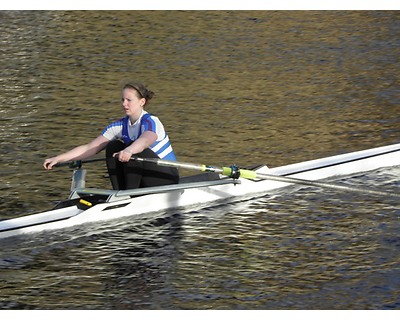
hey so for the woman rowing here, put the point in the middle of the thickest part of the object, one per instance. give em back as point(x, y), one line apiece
point(138, 133)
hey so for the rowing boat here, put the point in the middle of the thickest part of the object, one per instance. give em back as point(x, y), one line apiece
point(86, 205)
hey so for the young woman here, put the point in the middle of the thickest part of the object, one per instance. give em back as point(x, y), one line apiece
point(138, 133)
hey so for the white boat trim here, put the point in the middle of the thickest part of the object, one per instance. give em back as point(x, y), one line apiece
point(117, 204)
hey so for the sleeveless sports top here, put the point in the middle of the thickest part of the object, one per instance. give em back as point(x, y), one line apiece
point(124, 130)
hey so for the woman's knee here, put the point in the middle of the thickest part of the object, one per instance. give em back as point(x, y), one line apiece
point(113, 147)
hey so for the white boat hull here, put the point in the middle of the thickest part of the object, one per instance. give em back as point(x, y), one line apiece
point(121, 206)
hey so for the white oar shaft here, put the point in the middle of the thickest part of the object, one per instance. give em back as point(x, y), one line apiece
point(181, 165)
point(324, 185)
point(250, 174)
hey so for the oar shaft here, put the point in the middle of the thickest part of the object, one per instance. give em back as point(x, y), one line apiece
point(181, 165)
point(77, 163)
point(250, 174)
point(324, 185)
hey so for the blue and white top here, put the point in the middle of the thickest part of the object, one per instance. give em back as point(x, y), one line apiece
point(128, 132)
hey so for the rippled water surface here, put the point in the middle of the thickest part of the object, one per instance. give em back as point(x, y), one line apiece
point(231, 87)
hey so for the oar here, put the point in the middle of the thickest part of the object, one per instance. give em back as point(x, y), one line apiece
point(77, 163)
point(234, 172)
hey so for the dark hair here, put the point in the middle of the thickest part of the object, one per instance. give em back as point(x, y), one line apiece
point(140, 88)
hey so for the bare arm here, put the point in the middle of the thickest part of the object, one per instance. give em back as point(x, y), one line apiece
point(78, 153)
point(146, 139)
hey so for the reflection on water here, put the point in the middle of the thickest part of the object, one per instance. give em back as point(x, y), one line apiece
point(299, 249)
point(243, 87)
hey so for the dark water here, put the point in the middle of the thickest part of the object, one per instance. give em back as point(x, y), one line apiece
point(231, 87)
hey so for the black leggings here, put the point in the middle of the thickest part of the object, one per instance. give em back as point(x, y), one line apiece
point(135, 174)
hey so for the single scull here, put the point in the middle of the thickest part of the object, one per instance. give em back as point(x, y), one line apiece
point(88, 204)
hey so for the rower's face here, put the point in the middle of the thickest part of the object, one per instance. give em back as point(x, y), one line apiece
point(132, 105)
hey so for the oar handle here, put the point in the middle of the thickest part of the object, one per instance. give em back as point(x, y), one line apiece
point(70, 164)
